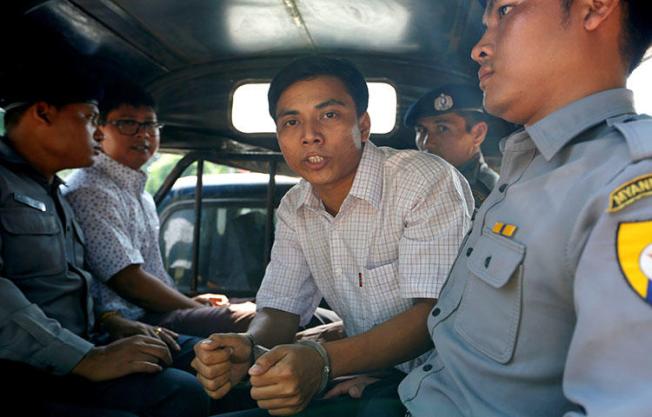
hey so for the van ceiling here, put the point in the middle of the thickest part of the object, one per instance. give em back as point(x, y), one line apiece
point(191, 54)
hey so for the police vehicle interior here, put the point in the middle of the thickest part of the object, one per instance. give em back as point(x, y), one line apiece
point(193, 55)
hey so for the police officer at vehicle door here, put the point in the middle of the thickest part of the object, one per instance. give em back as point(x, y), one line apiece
point(547, 310)
point(450, 122)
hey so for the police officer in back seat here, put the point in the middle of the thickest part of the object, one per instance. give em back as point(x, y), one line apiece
point(450, 122)
point(51, 359)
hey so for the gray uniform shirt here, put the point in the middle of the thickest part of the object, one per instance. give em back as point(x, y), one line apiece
point(540, 315)
point(481, 178)
point(45, 308)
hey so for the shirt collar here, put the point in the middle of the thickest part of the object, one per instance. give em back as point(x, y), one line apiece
point(9, 154)
point(367, 184)
point(127, 178)
point(471, 168)
point(554, 131)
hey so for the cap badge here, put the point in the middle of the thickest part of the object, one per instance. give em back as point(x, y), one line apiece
point(443, 102)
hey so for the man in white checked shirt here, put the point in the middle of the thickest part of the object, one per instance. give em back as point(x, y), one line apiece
point(371, 230)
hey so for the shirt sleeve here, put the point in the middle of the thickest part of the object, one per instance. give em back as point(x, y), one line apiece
point(27, 335)
point(288, 284)
point(434, 229)
point(110, 248)
point(608, 368)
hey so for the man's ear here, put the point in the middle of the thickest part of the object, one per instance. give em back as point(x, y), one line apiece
point(479, 132)
point(42, 112)
point(595, 12)
point(364, 123)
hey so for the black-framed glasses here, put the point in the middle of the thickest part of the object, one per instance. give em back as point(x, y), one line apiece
point(131, 127)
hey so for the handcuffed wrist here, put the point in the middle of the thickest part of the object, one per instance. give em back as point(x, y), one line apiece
point(326, 370)
point(252, 342)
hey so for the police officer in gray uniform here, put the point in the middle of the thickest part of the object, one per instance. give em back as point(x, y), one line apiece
point(450, 122)
point(548, 309)
point(51, 356)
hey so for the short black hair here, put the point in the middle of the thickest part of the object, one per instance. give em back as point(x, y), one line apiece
point(472, 118)
point(317, 65)
point(122, 92)
point(636, 29)
point(58, 85)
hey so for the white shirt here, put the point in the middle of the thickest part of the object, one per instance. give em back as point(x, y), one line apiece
point(120, 225)
point(394, 239)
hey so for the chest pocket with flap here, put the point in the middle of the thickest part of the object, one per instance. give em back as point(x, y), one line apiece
point(489, 313)
point(31, 244)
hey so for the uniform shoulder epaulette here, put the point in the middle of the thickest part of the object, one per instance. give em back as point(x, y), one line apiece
point(638, 134)
point(637, 131)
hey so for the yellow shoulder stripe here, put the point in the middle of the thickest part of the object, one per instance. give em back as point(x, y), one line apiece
point(630, 192)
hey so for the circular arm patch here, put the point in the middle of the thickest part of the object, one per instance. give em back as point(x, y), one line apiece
point(634, 251)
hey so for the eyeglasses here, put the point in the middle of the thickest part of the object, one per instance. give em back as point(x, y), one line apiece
point(131, 127)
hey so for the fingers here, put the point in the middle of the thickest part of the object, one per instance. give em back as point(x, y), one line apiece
point(354, 387)
point(212, 370)
point(236, 345)
point(337, 390)
point(154, 347)
point(203, 301)
point(217, 299)
point(214, 384)
point(267, 361)
point(220, 392)
point(274, 391)
point(144, 367)
point(279, 399)
point(212, 357)
point(209, 299)
point(168, 336)
point(220, 340)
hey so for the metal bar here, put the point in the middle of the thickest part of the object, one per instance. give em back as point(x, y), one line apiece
point(174, 175)
point(215, 157)
point(269, 224)
point(196, 230)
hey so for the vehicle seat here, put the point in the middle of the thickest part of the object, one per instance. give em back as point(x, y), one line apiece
point(240, 255)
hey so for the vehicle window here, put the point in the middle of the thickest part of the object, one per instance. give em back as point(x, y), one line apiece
point(162, 164)
point(232, 249)
point(249, 112)
point(2, 122)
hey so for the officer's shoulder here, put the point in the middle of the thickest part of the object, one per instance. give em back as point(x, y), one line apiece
point(632, 184)
point(637, 131)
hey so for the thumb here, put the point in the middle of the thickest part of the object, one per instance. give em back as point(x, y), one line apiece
point(210, 343)
point(267, 361)
point(217, 341)
point(356, 390)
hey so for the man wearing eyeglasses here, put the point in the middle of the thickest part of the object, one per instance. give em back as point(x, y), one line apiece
point(133, 292)
point(52, 358)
